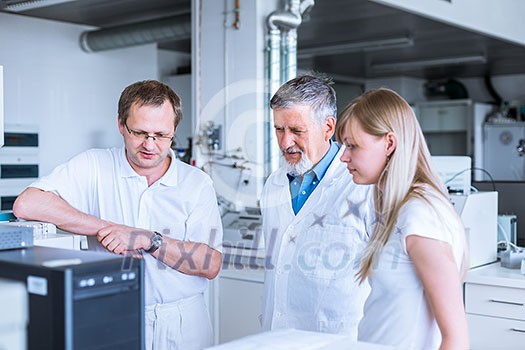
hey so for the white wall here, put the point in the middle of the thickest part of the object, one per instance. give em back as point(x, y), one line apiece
point(71, 95)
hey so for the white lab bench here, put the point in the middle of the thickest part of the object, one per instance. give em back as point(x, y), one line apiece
point(292, 339)
point(495, 306)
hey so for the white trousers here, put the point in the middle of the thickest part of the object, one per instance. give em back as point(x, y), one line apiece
point(181, 325)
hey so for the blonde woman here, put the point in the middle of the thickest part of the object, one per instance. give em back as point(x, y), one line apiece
point(415, 257)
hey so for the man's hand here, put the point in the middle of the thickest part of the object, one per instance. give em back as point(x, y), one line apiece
point(191, 258)
point(121, 239)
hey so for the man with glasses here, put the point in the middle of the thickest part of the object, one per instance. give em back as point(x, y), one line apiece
point(139, 199)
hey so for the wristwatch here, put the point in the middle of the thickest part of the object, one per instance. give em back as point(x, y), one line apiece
point(156, 242)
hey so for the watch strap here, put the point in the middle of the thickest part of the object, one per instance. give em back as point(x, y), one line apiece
point(156, 242)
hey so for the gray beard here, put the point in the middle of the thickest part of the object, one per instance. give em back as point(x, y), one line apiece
point(299, 168)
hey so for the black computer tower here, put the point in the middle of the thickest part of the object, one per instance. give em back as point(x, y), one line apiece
point(79, 300)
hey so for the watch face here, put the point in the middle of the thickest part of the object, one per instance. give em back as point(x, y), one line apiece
point(156, 243)
point(157, 240)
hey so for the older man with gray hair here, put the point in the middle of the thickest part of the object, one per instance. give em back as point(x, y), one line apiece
point(315, 218)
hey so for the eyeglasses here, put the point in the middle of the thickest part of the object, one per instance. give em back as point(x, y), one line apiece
point(141, 135)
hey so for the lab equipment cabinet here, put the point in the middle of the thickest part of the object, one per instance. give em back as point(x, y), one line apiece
point(19, 161)
point(495, 306)
point(503, 150)
point(450, 126)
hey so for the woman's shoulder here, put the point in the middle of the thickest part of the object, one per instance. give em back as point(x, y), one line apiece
point(426, 199)
point(427, 215)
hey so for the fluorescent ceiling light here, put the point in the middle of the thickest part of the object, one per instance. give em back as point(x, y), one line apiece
point(356, 46)
point(445, 61)
point(32, 4)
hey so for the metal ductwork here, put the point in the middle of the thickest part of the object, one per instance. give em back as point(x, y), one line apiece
point(282, 61)
point(161, 30)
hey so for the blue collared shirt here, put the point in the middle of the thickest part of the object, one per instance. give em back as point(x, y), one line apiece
point(302, 186)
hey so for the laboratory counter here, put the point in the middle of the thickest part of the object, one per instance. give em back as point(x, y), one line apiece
point(494, 274)
point(495, 306)
point(292, 339)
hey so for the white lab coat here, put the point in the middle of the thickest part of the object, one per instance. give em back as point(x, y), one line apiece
point(310, 258)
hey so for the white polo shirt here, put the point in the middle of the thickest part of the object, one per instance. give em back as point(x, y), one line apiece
point(181, 205)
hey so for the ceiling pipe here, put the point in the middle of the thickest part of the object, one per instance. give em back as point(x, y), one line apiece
point(160, 30)
point(289, 43)
point(282, 62)
point(297, 10)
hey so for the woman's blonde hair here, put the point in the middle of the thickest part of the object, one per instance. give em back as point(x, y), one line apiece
point(408, 173)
